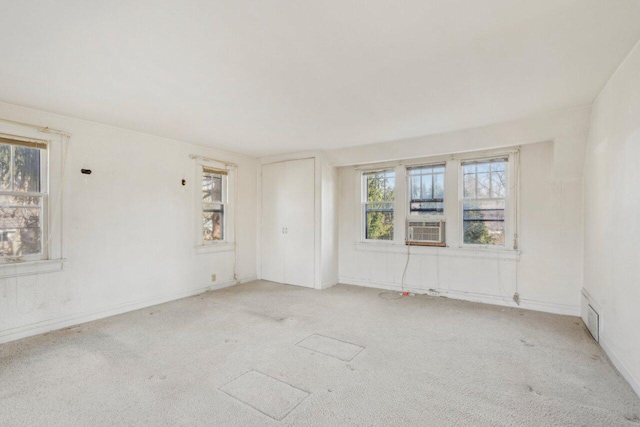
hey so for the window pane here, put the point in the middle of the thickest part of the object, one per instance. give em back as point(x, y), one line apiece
point(499, 166)
point(20, 232)
point(486, 180)
point(483, 167)
point(380, 186)
point(427, 208)
point(498, 184)
point(5, 167)
point(483, 185)
point(26, 169)
point(484, 222)
point(427, 191)
point(213, 224)
point(379, 224)
point(415, 187)
point(211, 188)
point(438, 189)
point(469, 185)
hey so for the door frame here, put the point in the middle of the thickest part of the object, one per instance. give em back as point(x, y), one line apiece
point(316, 156)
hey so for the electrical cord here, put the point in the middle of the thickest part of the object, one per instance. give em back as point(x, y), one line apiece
point(406, 266)
point(395, 295)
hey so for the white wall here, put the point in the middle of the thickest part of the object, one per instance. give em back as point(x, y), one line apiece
point(612, 217)
point(549, 272)
point(128, 229)
point(329, 224)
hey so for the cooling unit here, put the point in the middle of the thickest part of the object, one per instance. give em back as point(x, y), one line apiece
point(425, 231)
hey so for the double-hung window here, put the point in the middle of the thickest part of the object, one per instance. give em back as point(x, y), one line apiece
point(426, 190)
point(23, 199)
point(378, 198)
point(484, 202)
point(214, 201)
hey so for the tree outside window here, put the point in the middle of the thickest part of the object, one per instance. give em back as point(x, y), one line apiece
point(379, 204)
point(484, 203)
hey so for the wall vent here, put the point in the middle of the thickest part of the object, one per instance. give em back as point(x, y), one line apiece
point(593, 323)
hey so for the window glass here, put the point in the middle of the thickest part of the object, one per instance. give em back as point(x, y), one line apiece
point(484, 204)
point(5, 167)
point(426, 189)
point(21, 217)
point(26, 169)
point(213, 221)
point(379, 207)
point(213, 204)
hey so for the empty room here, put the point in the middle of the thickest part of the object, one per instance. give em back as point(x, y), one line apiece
point(332, 213)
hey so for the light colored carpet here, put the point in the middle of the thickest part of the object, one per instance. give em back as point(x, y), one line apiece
point(204, 361)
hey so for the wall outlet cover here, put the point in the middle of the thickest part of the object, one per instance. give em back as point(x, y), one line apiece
point(213, 277)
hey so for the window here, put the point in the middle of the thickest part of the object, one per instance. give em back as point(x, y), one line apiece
point(378, 202)
point(426, 190)
point(214, 200)
point(484, 201)
point(23, 199)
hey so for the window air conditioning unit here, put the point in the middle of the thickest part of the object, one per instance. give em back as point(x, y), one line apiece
point(425, 231)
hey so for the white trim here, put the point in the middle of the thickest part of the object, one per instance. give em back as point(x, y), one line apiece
point(317, 158)
point(100, 313)
point(215, 248)
point(53, 164)
point(329, 283)
point(525, 304)
point(619, 365)
point(438, 158)
point(466, 252)
point(229, 196)
point(510, 202)
point(607, 347)
point(362, 205)
point(30, 268)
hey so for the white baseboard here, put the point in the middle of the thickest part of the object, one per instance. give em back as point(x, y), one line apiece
point(608, 348)
point(100, 313)
point(247, 279)
point(329, 283)
point(620, 366)
point(474, 297)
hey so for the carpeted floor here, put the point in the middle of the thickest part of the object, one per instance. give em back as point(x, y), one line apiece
point(268, 354)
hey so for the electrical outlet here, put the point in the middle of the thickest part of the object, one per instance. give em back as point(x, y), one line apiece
point(213, 277)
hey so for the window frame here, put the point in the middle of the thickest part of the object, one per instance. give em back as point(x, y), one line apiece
point(453, 187)
point(43, 194)
point(227, 243)
point(364, 203)
point(222, 204)
point(509, 200)
point(440, 216)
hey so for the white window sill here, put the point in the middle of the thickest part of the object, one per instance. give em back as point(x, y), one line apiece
point(215, 247)
point(501, 253)
point(29, 268)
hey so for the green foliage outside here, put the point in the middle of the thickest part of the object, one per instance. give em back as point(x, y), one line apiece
point(380, 188)
point(477, 232)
